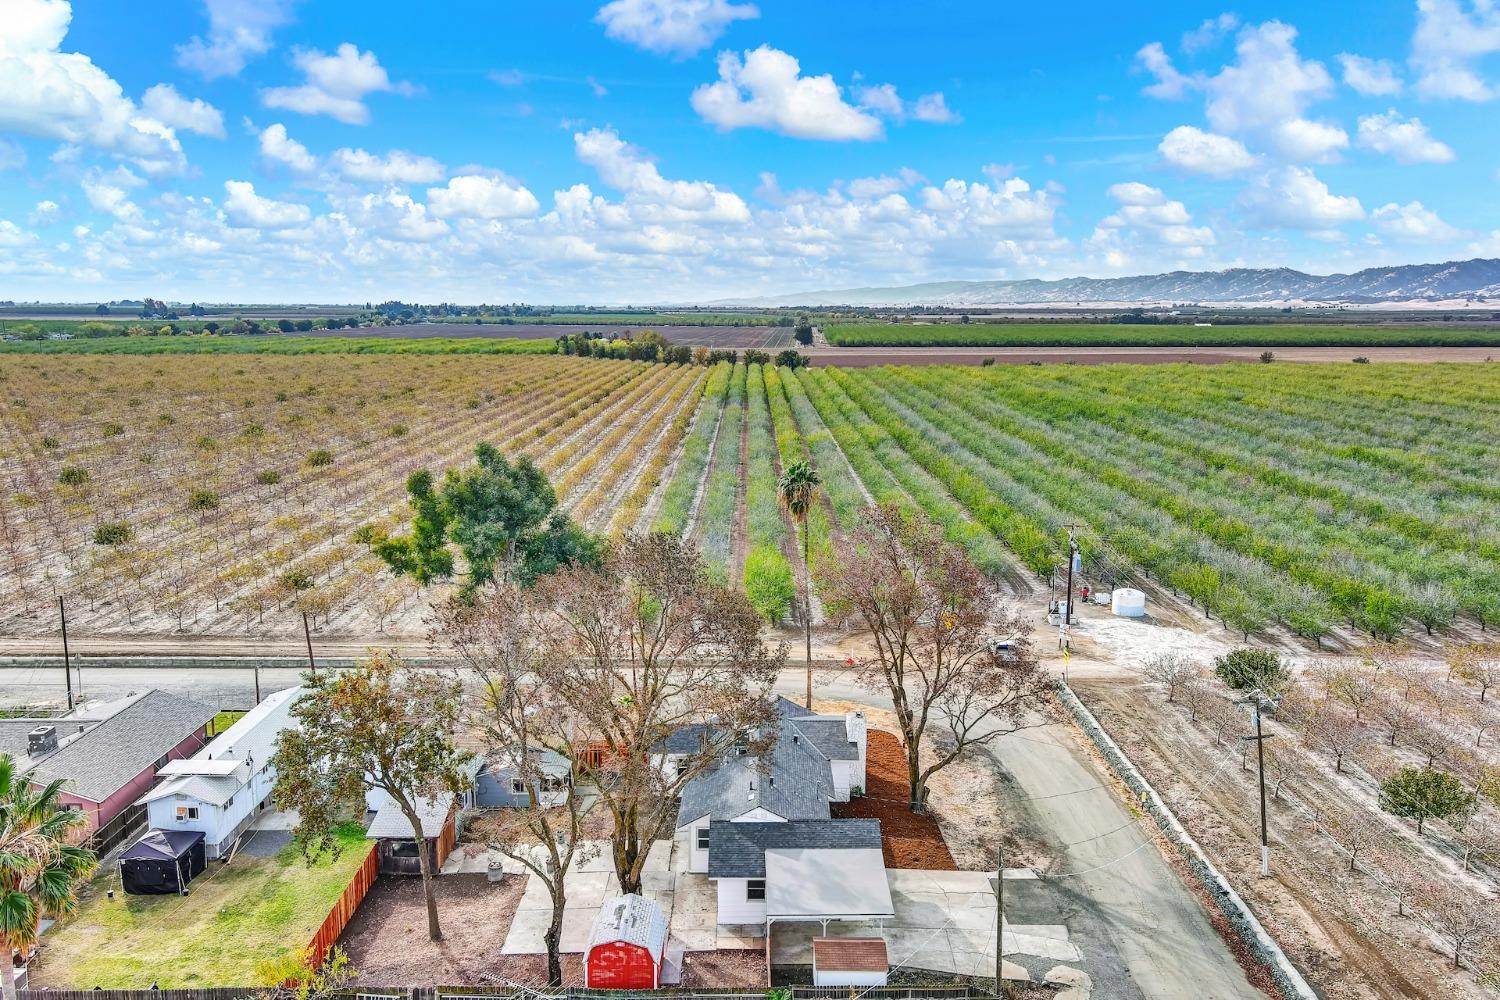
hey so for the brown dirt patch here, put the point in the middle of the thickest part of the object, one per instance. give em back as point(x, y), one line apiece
point(725, 968)
point(387, 939)
point(864, 357)
point(908, 840)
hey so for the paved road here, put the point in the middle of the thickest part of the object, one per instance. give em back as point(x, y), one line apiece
point(1141, 932)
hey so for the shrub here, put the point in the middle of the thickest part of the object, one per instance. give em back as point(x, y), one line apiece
point(113, 533)
point(768, 583)
point(112, 430)
point(297, 580)
point(267, 477)
point(1244, 669)
point(72, 475)
point(1361, 360)
point(987, 363)
point(203, 500)
point(1421, 793)
point(51, 443)
point(1266, 357)
point(753, 357)
point(790, 358)
point(319, 456)
point(398, 430)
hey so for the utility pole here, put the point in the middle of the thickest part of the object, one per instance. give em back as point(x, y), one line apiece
point(999, 917)
point(1260, 754)
point(312, 665)
point(62, 613)
point(256, 669)
point(1067, 618)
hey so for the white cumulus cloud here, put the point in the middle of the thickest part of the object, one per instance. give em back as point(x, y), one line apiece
point(167, 106)
point(238, 31)
point(766, 89)
point(477, 196)
point(1199, 152)
point(1294, 198)
point(1451, 37)
point(1267, 91)
point(1371, 77)
point(335, 85)
point(1145, 215)
point(246, 208)
point(622, 166)
point(52, 94)
point(1405, 140)
point(279, 148)
point(1412, 223)
point(1170, 85)
point(397, 167)
point(672, 27)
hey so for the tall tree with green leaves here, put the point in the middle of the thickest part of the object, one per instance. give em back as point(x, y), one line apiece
point(382, 725)
point(502, 517)
point(797, 489)
point(40, 868)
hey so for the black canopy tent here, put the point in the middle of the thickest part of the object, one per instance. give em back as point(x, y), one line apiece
point(163, 861)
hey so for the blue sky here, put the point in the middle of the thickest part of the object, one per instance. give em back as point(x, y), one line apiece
point(667, 150)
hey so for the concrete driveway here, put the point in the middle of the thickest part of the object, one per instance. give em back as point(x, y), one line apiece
point(588, 886)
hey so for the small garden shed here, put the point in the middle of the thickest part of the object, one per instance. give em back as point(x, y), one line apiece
point(850, 962)
point(626, 946)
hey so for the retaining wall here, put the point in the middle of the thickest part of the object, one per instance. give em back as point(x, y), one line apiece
point(1240, 916)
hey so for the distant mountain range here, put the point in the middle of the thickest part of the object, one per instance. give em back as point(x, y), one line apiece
point(1477, 279)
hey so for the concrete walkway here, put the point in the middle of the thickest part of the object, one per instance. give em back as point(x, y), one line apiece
point(588, 885)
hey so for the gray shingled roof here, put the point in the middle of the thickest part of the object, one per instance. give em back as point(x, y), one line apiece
point(686, 739)
point(788, 709)
point(106, 758)
point(828, 734)
point(738, 850)
point(792, 780)
point(390, 823)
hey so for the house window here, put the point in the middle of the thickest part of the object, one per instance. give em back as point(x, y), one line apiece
point(702, 838)
point(516, 787)
point(755, 890)
point(403, 849)
point(185, 813)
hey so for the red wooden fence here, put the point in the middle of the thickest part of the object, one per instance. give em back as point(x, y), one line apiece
point(343, 911)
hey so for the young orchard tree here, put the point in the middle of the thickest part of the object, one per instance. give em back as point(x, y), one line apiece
point(528, 729)
point(1478, 665)
point(934, 617)
point(1355, 831)
point(1422, 794)
point(638, 647)
point(382, 725)
point(502, 517)
point(1335, 731)
point(1171, 671)
point(1465, 917)
point(1478, 833)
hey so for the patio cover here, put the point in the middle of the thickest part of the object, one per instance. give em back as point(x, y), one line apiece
point(813, 883)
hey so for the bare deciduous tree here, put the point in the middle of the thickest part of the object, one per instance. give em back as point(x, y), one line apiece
point(1354, 830)
point(1462, 915)
point(1335, 731)
point(638, 647)
point(1171, 671)
point(934, 618)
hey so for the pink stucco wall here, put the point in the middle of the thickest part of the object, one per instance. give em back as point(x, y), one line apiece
point(100, 813)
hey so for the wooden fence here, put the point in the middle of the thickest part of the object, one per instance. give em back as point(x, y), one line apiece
point(343, 911)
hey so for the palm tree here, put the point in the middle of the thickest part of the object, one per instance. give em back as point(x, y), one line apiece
point(798, 485)
point(39, 869)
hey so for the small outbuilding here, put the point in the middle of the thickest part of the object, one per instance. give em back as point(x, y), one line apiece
point(627, 945)
point(850, 961)
point(163, 862)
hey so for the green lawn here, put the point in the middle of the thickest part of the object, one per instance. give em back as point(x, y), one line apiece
point(223, 721)
point(1149, 335)
point(234, 917)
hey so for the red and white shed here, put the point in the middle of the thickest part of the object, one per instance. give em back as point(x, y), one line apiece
point(626, 946)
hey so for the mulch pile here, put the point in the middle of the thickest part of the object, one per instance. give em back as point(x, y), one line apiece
point(908, 840)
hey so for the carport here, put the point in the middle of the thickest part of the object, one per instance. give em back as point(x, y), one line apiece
point(821, 885)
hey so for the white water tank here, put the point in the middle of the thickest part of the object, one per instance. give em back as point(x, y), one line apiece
point(1127, 602)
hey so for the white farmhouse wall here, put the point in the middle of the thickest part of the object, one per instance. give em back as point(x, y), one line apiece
point(734, 908)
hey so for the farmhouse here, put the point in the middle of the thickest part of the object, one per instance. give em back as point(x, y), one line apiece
point(107, 754)
point(761, 829)
point(220, 790)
